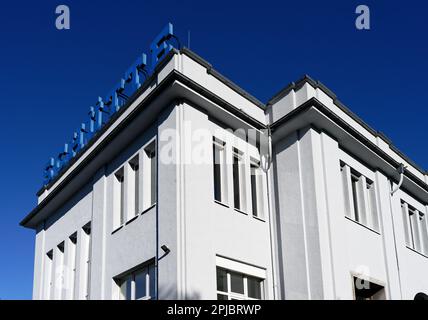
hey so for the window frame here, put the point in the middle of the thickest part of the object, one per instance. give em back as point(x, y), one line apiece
point(258, 191)
point(49, 278)
point(231, 295)
point(72, 258)
point(119, 198)
point(134, 185)
point(87, 259)
point(131, 275)
point(415, 227)
point(59, 262)
point(376, 289)
point(220, 145)
point(360, 197)
point(247, 270)
point(150, 169)
point(133, 194)
point(239, 182)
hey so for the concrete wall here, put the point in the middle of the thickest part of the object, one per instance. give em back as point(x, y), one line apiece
point(412, 264)
point(210, 229)
point(320, 249)
point(316, 249)
point(310, 228)
point(69, 219)
point(191, 223)
point(116, 250)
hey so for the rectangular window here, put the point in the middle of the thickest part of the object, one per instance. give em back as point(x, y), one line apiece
point(347, 190)
point(119, 198)
point(72, 265)
point(138, 284)
point(415, 228)
point(236, 184)
point(59, 272)
point(219, 171)
point(406, 223)
point(134, 185)
point(424, 232)
point(414, 223)
point(371, 204)
point(126, 288)
point(257, 193)
point(86, 258)
point(360, 197)
point(233, 285)
point(355, 198)
point(150, 175)
point(48, 275)
point(366, 290)
point(239, 186)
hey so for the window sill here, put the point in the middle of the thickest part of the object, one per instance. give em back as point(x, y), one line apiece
point(259, 219)
point(240, 211)
point(221, 203)
point(415, 251)
point(148, 209)
point(364, 226)
point(133, 218)
point(117, 229)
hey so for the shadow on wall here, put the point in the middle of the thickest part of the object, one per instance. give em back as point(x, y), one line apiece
point(170, 293)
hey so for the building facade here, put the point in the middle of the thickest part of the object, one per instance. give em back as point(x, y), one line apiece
point(196, 190)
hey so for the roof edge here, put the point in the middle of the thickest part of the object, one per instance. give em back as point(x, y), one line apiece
point(173, 76)
point(319, 85)
point(222, 78)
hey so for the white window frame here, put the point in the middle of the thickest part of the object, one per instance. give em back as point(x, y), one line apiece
point(259, 189)
point(72, 265)
point(119, 197)
point(230, 144)
point(242, 178)
point(48, 283)
point(59, 253)
point(149, 174)
point(415, 227)
point(131, 275)
point(221, 147)
point(246, 271)
point(133, 186)
point(360, 197)
point(86, 257)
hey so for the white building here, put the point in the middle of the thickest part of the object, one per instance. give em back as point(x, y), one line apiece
point(143, 212)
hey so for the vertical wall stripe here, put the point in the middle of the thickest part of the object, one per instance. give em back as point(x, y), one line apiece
point(324, 173)
point(302, 203)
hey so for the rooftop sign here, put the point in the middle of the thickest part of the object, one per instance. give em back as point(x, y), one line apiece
point(106, 107)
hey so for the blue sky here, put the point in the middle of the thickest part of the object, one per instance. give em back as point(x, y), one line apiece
point(49, 78)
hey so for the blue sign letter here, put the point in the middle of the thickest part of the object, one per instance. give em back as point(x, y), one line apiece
point(159, 47)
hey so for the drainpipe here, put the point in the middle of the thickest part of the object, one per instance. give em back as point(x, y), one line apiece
point(157, 221)
point(265, 167)
point(401, 168)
